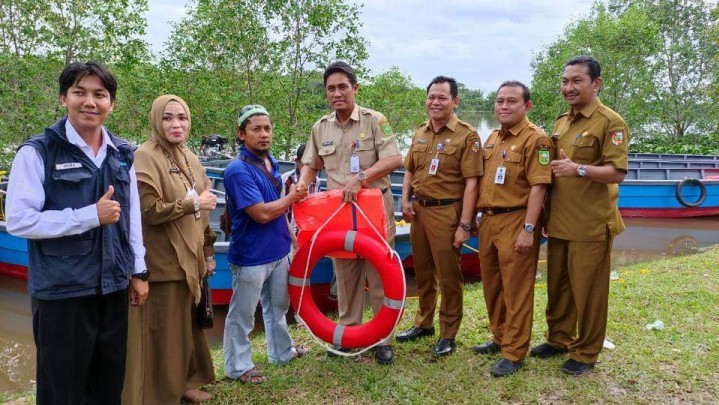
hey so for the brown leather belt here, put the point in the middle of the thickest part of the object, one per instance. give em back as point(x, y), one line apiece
point(429, 202)
point(497, 211)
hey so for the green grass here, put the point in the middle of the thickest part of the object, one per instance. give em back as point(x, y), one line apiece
point(677, 364)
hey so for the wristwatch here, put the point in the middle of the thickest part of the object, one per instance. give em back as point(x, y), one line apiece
point(362, 176)
point(466, 226)
point(209, 258)
point(142, 276)
point(582, 170)
point(529, 228)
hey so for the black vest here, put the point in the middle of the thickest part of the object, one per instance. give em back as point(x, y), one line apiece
point(100, 260)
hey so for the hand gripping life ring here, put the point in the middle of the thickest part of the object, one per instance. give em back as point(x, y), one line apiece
point(702, 193)
point(390, 271)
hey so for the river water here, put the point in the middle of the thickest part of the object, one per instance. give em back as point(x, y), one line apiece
point(644, 239)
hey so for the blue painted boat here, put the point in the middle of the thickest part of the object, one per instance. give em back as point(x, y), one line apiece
point(663, 186)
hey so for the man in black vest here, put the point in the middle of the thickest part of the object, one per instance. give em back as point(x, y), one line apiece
point(73, 194)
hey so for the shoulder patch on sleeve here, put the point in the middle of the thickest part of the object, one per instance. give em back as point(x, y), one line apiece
point(617, 137)
point(386, 127)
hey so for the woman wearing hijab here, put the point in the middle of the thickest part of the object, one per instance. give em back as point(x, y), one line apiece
point(168, 356)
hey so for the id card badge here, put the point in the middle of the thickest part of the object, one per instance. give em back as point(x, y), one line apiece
point(354, 164)
point(192, 195)
point(500, 175)
point(433, 166)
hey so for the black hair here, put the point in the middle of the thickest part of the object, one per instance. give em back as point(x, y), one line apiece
point(76, 71)
point(341, 67)
point(516, 83)
point(595, 70)
point(301, 151)
point(453, 90)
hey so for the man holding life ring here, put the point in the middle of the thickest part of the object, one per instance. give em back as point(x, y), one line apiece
point(357, 148)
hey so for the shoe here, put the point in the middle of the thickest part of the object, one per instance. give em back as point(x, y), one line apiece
point(414, 333)
point(504, 367)
point(339, 349)
point(545, 350)
point(195, 396)
point(576, 368)
point(444, 347)
point(487, 348)
point(383, 354)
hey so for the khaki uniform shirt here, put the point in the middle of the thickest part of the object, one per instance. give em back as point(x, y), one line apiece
point(581, 209)
point(459, 150)
point(367, 133)
point(525, 151)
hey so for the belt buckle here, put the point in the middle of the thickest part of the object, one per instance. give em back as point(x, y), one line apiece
point(489, 211)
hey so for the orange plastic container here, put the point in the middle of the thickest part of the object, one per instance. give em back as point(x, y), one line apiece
point(313, 211)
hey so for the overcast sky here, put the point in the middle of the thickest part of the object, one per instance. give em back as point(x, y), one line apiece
point(479, 42)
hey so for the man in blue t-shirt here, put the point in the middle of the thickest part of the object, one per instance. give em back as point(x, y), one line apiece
point(259, 249)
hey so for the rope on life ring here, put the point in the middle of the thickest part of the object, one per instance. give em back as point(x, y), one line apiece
point(702, 193)
point(388, 266)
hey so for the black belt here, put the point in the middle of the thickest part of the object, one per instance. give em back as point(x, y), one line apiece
point(497, 211)
point(428, 202)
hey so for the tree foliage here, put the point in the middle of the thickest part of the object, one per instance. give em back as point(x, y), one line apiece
point(70, 30)
point(268, 52)
point(393, 94)
point(656, 64)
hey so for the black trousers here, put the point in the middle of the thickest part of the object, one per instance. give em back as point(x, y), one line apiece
point(81, 348)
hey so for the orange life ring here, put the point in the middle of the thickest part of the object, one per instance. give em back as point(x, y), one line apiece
point(389, 269)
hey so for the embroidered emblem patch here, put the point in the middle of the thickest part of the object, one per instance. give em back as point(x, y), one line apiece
point(617, 137)
point(362, 135)
point(328, 143)
point(476, 145)
point(387, 129)
point(543, 156)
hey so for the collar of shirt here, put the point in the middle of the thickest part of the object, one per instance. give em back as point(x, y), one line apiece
point(74, 138)
point(588, 110)
point(451, 124)
point(354, 116)
point(517, 128)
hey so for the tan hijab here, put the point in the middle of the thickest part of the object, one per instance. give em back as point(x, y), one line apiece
point(153, 160)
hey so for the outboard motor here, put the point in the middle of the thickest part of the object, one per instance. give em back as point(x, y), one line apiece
point(213, 146)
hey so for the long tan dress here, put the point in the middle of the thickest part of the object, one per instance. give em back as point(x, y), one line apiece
point(167, 352)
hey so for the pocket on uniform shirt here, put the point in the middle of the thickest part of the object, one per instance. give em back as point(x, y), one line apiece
point(366, 153)
point(513, 162)
point(329, 157)
point(584, 149)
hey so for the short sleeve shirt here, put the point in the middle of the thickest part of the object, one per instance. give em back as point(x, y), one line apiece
point(253, 243)
point(458, 151)
point(582, 209)
point(525, 152)
point(331, 145)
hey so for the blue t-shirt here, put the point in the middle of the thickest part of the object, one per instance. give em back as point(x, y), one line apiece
point(252, 243)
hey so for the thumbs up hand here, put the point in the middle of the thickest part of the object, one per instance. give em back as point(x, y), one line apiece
point(564, 167)
point(208, 201)
point(108, 210)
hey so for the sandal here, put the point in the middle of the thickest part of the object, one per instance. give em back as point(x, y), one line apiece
point(252, 376)
point(299, 352)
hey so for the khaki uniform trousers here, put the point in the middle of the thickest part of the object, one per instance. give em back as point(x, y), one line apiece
point(436, 265)
point(578, 296)
point(352, 273)
point(508, 281)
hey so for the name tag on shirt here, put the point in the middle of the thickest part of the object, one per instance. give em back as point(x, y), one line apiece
point(500, 175)
point(65, 166)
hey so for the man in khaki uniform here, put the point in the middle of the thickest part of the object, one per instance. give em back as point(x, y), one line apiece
point(357, 148)
point(515, 180)
point(439, 193)
point(591, 140)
